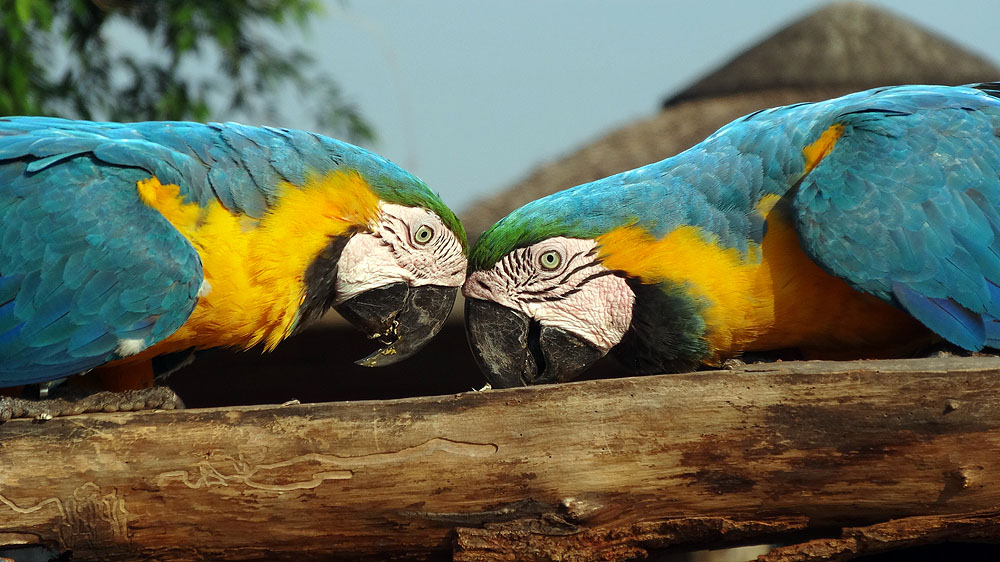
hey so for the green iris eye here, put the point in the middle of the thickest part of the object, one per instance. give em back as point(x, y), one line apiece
point(550, 260)
point(423, 234)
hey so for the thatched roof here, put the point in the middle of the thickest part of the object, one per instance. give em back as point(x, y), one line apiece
point(841, 48)
point(847, 45)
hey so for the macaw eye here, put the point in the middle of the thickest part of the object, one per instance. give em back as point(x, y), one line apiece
point(550, 260)
point(423, 235)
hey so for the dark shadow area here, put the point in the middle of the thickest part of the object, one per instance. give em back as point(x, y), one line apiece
point(33, 553)
point(318, 366)
point(944, 552)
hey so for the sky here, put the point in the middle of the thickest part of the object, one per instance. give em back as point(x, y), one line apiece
point(473, 95)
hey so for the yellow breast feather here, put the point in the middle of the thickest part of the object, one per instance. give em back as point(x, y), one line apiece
point(255, 269)
point(818, 313)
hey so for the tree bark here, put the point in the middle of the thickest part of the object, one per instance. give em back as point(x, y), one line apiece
point(595, 470)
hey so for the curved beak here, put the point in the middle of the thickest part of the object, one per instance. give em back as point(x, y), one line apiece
point(514, 350)
point(402, 317)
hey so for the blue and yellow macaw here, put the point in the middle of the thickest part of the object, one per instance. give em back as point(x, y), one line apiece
point(867, 225)
point(121, 242)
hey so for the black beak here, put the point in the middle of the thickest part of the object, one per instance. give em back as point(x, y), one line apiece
point(402, 317)
point(514, 350)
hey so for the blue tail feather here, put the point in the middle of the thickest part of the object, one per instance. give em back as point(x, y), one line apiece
point(947, 318)
point(992, 321)
point(992, 332)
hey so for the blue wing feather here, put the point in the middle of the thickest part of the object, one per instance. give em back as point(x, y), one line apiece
point(952, 321)
point(905, 207)
point(78, 271)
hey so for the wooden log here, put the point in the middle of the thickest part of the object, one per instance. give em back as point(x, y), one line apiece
point(881, 537)
point(595, 470)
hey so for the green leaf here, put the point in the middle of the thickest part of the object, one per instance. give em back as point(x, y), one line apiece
point(185, 40)
point(43, 13)
point(225, 34)
point(23, 10)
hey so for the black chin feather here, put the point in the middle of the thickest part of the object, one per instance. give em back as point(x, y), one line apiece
point(321, 281)
point(667, 331)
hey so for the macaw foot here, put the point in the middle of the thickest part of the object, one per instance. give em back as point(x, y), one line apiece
point(157, 397)
point(944, 349)
point(733, 364)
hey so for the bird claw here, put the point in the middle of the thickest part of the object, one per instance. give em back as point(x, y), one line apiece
point(733, 364)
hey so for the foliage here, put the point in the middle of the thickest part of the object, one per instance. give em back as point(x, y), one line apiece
point(127, 60)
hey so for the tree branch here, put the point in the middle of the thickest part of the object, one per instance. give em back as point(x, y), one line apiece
point(595, 470)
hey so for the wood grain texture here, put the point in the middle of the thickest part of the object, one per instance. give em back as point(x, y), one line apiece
point(595, 470)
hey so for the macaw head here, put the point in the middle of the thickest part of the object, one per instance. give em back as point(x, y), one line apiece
point(396, 268)
point(566, 279)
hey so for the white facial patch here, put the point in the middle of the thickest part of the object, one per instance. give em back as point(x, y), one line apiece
point(560, 283)
point(404, 244)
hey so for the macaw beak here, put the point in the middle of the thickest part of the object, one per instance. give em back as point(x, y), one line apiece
point(402, 317)
point(514, 350)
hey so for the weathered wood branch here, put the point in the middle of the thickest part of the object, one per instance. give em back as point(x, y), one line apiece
point(899, 533)
point(596, 470)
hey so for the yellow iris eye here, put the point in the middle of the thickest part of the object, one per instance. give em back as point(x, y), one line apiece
point(423, 234)
point(550, 260)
